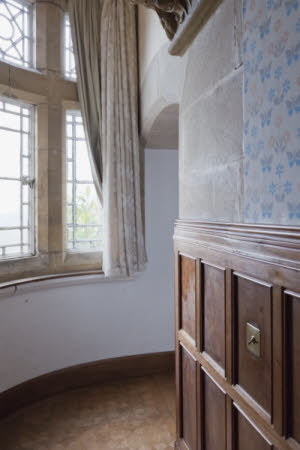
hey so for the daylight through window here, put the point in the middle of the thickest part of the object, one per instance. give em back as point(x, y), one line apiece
point(16, 32)
point(70, 71)
point(43, 154)
point(16, 179)
point(84, 212)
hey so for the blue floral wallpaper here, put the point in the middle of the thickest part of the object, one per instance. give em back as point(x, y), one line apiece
point(271, 47)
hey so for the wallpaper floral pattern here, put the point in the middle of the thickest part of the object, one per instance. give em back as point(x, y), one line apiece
point(271, 47)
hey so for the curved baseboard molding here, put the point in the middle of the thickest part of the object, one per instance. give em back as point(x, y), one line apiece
point(84, 375)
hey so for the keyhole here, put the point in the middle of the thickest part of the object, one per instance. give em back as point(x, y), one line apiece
point(252, 340)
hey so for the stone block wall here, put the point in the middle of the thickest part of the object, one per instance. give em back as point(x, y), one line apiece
point(211, 121)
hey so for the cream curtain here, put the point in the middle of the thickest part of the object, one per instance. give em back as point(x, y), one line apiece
point(104, 39)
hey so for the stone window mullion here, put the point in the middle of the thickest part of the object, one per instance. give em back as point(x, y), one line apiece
point(49, 26)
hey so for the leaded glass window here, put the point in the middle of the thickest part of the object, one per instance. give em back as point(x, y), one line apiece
point(16, 32)
point(84, 212)
point(70, 70)
point(16, 179)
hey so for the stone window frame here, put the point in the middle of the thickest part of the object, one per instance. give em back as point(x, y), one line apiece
point(52, 94)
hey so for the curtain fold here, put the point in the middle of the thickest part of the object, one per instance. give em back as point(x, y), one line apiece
point(104, 39)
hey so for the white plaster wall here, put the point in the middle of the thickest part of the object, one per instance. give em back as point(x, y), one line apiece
point(161, 82)
point(46, 330)
point(151, 38)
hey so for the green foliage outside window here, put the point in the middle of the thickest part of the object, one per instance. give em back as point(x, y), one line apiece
point(87, 213)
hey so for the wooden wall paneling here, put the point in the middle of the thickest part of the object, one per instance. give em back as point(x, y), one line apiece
point(200, 408)
point(189, 399)
point(278, 407)
point(292, 378)
point(253, 303)
point(214, 412)
point(229, 423)
point(262, 286)
point(188, 295)
point(199, 306)
point(246, 435)
point(177, 293)
point(229, 322)
point(178, 394)
point(265, 252)
point(177, 278)
point(213, 298)
point(208, 364)
point(256, 414)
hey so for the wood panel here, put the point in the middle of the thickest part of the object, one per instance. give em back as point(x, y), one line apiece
point(253, 305)
point(292, 316)
point(247, 436)
point(244, 274)
point(265, 252)
point(214, 412)
point(189, 399)
point(188, 295)
point(213, 312)
point(278, 360)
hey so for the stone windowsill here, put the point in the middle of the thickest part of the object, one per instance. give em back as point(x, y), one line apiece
point(46, 282)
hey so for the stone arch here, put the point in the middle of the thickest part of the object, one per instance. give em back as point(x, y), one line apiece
point(165, 129)
point(161, 91)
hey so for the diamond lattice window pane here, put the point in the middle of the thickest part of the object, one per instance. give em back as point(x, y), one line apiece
point(16, 31)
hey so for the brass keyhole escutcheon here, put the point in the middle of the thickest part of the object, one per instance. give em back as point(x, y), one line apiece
point(253, 340)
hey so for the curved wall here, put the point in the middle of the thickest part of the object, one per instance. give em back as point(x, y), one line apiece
point(49, 329)
point(151, 38)
point(46, 330)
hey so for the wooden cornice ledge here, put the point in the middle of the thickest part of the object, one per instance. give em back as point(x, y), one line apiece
point(274, 244)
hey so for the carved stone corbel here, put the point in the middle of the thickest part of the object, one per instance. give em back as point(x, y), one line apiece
point(183, 18)
point(171, 12)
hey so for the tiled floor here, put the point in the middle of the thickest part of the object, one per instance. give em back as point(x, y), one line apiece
point(135, 414)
